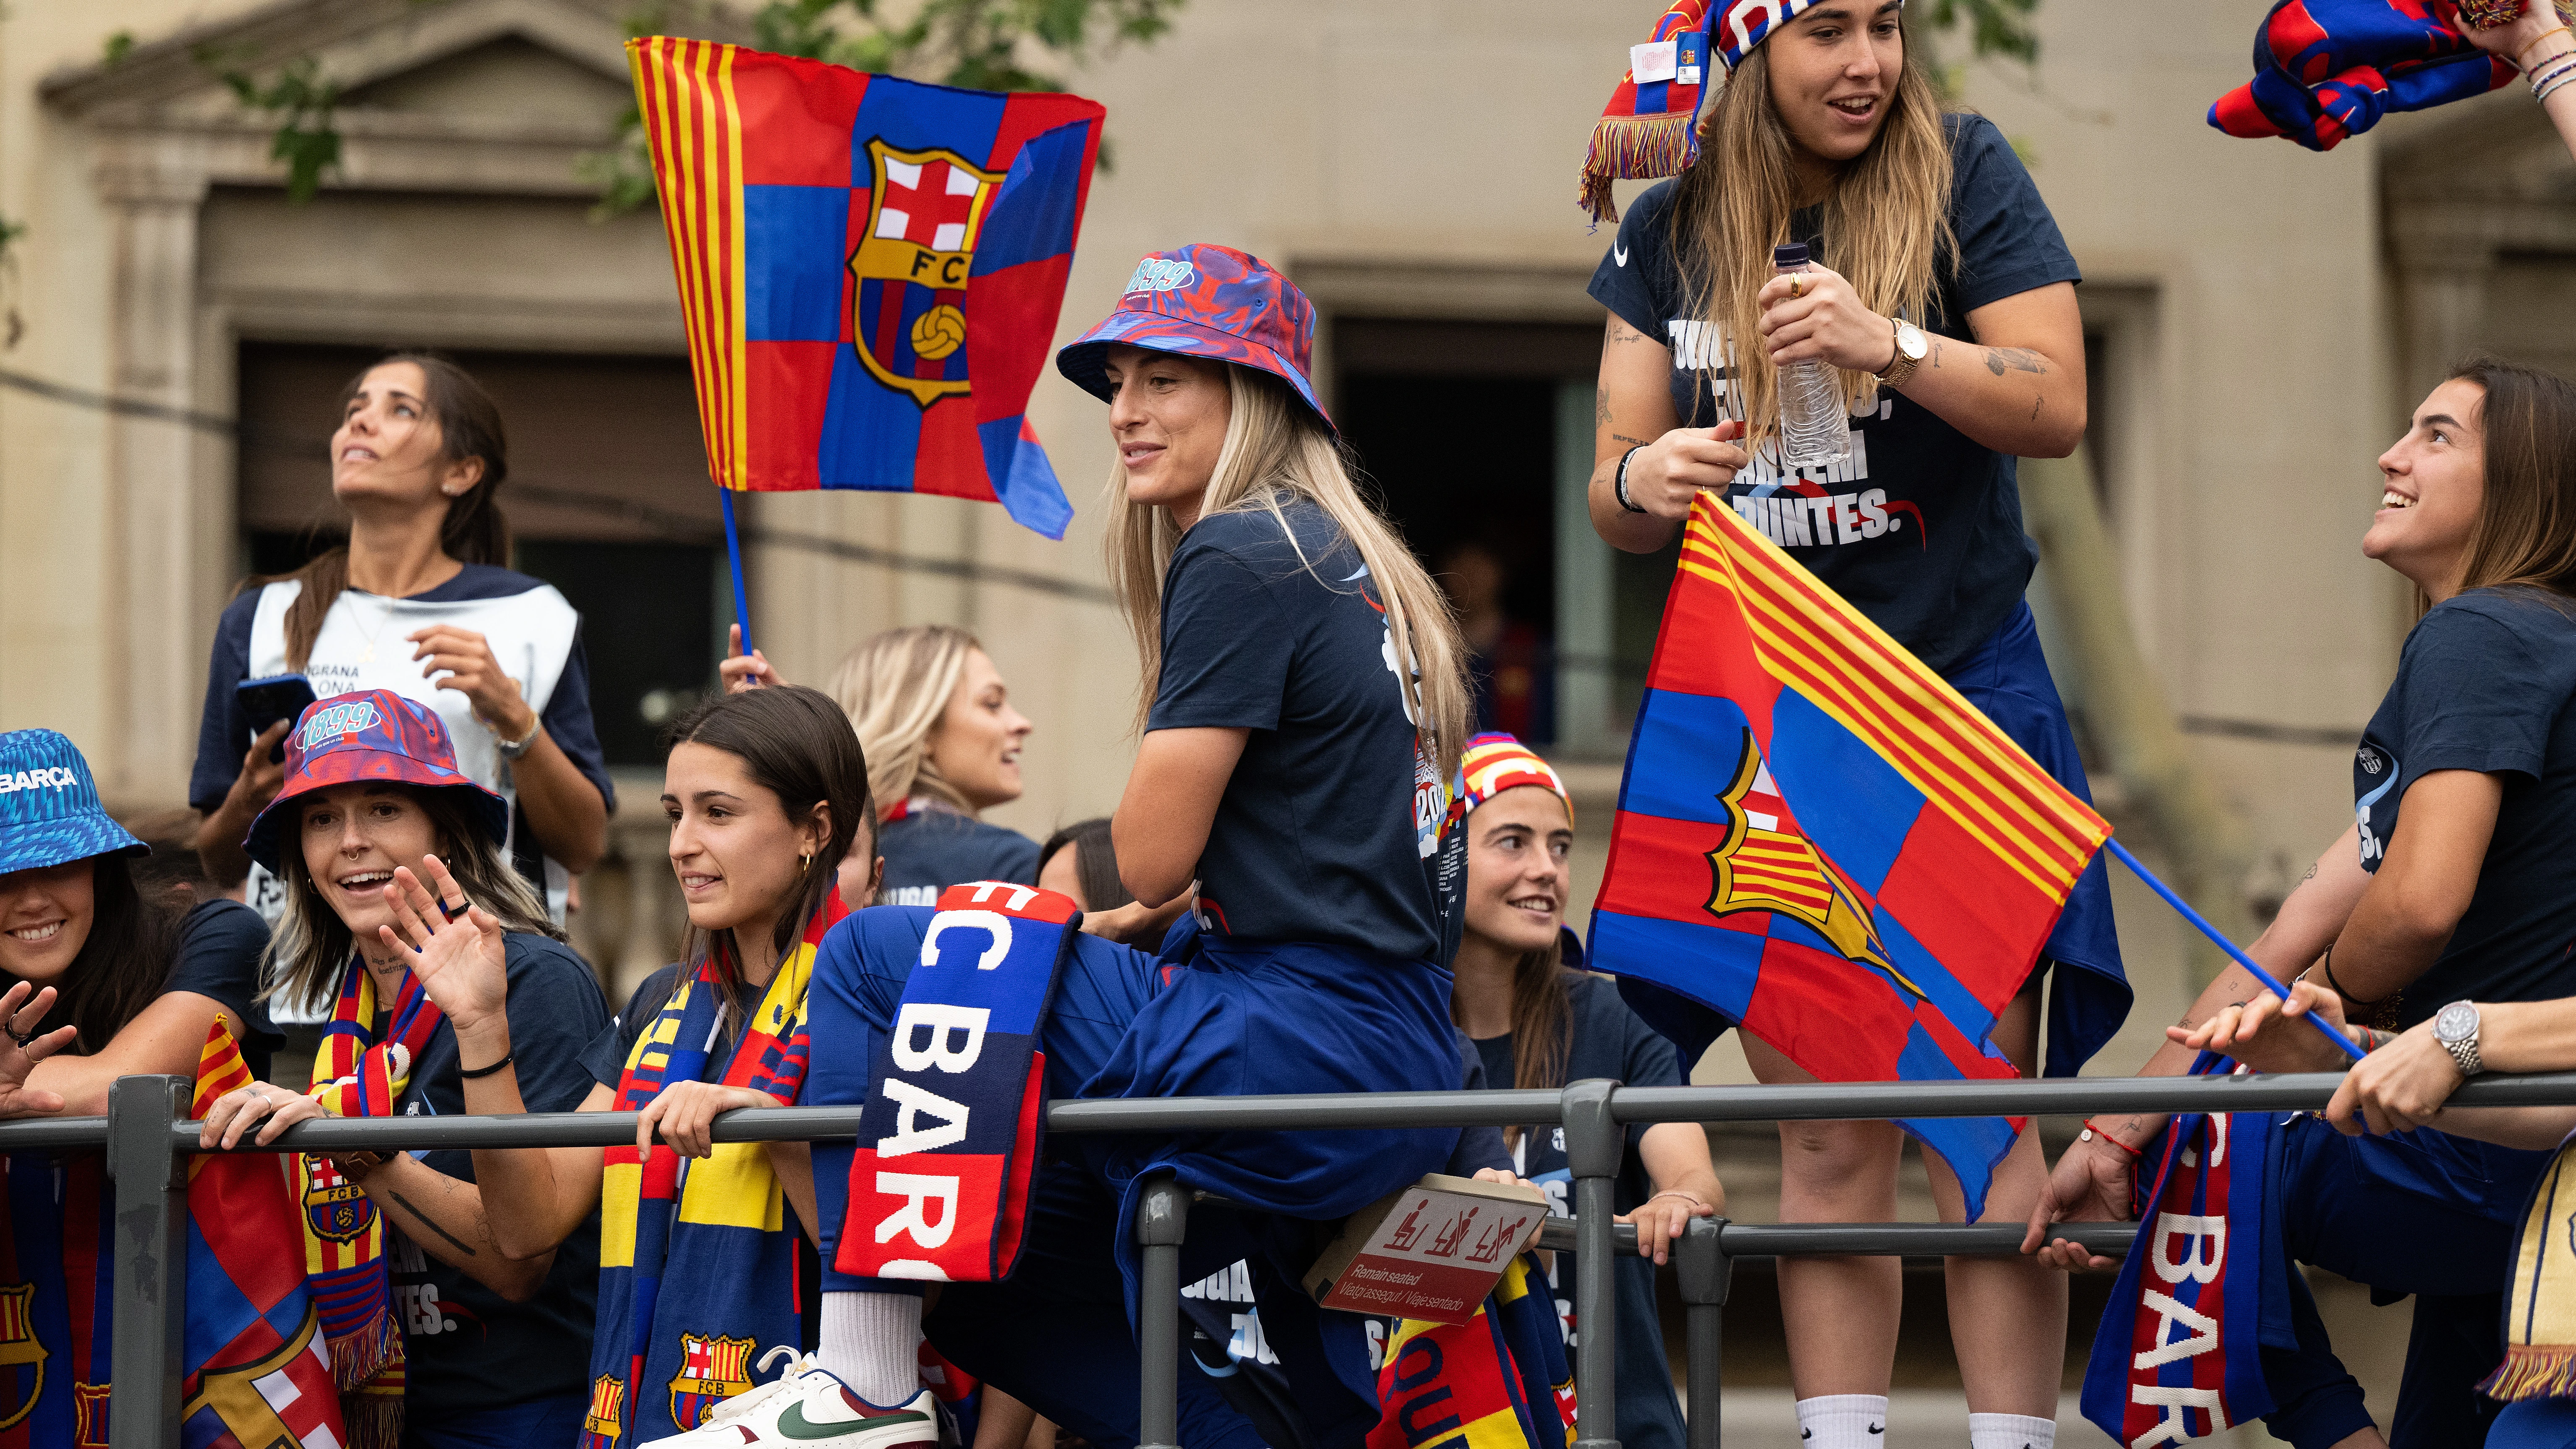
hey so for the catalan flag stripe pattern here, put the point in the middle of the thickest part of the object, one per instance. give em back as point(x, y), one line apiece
point(693, 129)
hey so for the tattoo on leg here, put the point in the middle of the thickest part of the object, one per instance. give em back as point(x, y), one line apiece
point(453, 1241)
point(2018, 359)
point(1601, 408)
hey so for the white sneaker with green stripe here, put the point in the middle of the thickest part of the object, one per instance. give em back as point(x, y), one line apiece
point(811, 1409)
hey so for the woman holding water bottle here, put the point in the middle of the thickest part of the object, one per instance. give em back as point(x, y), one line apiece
point(1831, 231)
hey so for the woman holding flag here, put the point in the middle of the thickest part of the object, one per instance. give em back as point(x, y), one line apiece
point(699, 1268)
point(431, 1325)
point(2442, 914)
point(1941, 303)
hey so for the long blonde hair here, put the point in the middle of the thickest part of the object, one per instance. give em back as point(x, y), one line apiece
point(1886, 228)
point(1276, 450)
point(895, 688)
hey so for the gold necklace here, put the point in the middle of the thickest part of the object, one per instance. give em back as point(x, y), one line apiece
point(367, 654)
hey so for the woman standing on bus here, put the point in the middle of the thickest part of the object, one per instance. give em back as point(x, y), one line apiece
point(1943, 303)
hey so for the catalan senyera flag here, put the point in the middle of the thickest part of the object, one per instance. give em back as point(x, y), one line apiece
point(1821, 839)
point(870, 269)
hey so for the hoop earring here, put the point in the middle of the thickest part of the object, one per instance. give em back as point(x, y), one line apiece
point(804, 862)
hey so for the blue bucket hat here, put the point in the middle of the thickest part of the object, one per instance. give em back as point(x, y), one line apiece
point(49, 810)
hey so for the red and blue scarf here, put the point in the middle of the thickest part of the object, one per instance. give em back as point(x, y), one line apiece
point(2179, 1353)
point(1497, 1381)
point(697, 1262)
point(948, 1140)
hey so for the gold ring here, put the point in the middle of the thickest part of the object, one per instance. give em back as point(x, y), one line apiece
point(1797, 286)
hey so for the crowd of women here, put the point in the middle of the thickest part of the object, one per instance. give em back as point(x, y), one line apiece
point(1318, 876)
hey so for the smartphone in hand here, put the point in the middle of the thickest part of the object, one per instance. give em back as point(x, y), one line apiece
point(266, 701)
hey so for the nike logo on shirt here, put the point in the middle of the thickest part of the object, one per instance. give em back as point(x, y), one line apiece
point(1619, 253)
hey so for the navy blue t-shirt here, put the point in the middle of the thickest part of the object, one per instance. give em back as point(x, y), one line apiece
point(1920, 528)
point(931, 849)
point(1605, 1039)
point(468, 1347)
point(218, 953)
point(2483, 684)
point(1315, 838)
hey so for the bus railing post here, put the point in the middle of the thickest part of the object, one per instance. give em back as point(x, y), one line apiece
point(151, 1248)
point(1162, 1221)
point(1706, 1272)
point(1594, 1145)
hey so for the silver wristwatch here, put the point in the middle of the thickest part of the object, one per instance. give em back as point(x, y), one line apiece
point(2456, 1027)
point(513, 749)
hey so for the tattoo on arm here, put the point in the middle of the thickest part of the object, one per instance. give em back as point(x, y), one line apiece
point(2311, 875)
point(1936, 352)
point(2035, 406)
point(453, 1241)
point(1601, 408)
point(2017, 359)
point(1624, 438)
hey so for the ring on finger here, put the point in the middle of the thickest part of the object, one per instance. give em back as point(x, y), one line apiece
point(24, 1039)
point(1797, 287)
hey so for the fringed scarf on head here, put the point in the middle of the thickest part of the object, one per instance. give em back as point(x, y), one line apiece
point(1496, 1381)
point(356, 1075)
point(2178, 1355)
point(697, 1263)
point(2540, 1312)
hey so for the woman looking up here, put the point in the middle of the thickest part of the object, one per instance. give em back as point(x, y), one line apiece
point(943, 745)
point(421, 602)
point(491, 1349)
point(1539, 1020)
point(1942, 303)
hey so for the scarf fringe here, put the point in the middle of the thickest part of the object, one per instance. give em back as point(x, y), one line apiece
point(1632, 148)
point(2533, 1371)
point(373, 1420)
point(364, 1352)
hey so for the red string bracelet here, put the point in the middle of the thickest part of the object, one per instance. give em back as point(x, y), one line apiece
point(2090, 1132)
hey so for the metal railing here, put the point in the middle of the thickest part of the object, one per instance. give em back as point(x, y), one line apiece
point(148, 1142)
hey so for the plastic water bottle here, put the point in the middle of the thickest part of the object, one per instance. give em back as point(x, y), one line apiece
point(1814, 430)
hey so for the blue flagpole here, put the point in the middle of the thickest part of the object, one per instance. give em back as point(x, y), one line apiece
point(733, 552)
point(2121, 852)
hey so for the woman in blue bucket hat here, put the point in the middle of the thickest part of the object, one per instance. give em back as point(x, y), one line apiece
point(104, 983)
point(1304, 711)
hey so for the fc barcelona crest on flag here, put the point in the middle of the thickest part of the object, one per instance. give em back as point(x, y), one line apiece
point(712, 1370)
point(22, 1358)
point(911, 268)
point(1767, 864)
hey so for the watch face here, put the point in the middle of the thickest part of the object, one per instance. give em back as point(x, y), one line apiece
point(1909, 341)
point(2456, 1022)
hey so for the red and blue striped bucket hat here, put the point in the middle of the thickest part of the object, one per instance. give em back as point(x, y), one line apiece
point(375, 734)
point(1205, 301)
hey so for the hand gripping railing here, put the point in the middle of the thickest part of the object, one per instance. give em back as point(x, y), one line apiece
point(148, 1144)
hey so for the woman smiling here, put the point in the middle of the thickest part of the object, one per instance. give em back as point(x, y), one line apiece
point(490, 1348)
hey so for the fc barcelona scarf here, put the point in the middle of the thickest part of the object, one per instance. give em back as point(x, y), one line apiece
point(948, 1140)
point(2178, 1354)
point(697, 1266)
point(256, 1374)
point(1497, 1381)
point(356, 1075)
point(2540, 1312)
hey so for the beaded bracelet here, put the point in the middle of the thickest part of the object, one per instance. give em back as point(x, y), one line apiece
point(2549, 69)
point(2543, 93)
point(2535, 40)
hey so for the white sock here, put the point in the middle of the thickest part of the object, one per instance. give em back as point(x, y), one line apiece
point(2011, 1431)
point(872, 1342)
point(1843, 1421)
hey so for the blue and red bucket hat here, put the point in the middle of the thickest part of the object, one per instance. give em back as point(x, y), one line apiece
point(375, 734)
point(1205, 301)
point(49, 810)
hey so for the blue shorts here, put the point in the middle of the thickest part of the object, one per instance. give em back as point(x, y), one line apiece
point(2007, 678)
point(2535, 1424)
point(2421, 1213)
point(1206, 1016)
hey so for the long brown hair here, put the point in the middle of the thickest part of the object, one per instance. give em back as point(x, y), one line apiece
point(312, 943)
point(1886, 227)
point(475, 531)
point(1542, 1021)
point(2525, 536)
point(798, 745)
point(1275, 451)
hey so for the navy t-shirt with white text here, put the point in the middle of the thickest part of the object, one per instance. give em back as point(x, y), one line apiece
point(1920, 528)
point(1315, 838)
point(2483, 684)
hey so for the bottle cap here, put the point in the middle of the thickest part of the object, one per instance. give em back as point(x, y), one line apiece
point(1788, 256)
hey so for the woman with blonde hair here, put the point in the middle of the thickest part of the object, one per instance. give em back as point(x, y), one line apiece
point(943, 745)
point(1940, 306)
point(1306, 707)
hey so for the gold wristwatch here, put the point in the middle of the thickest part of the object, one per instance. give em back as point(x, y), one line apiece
point(1911, 349)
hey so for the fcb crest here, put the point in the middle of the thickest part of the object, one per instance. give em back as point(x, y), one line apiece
point(607, 1417)
point(1766, 863)
point(909, 270)
point(338, 1209)
point(22, 1358)
point(712, 1370)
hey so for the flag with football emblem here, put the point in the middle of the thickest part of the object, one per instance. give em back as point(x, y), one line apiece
point(869, 269)
point(1821, 839)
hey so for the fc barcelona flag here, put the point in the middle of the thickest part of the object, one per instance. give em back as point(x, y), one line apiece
point(870, 269)
point(1821, 839)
